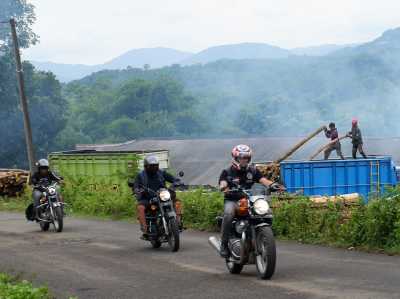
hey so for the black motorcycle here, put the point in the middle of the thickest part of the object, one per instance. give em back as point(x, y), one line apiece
point(251, 240)
point(161, 219)
point(50, 210)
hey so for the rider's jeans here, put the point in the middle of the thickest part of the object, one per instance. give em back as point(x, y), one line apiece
point(229, 213)
point(36, 197)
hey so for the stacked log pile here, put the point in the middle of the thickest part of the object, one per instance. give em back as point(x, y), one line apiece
point(271, 171)
point(347, 202)
point(351, 199)
point(13, 181)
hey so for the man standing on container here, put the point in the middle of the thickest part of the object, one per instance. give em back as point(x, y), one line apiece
point(356, 139)
point(333, 134)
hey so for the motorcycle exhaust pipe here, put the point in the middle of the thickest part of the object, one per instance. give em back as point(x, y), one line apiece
point(215, 243)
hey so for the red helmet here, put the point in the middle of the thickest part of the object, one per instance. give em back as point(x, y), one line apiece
point(354, 121)
point(238, 152)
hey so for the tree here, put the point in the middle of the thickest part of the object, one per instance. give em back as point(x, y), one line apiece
point(46, 104)
point(24, 15)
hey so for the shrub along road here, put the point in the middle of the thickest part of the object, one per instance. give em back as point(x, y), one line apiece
point(106, 259)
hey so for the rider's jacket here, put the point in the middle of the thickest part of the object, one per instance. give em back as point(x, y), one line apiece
point(244, 178)
point(154, 182)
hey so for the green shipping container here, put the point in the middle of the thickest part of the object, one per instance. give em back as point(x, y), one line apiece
point(101, 168)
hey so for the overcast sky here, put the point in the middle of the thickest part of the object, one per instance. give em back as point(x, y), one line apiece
point(95, 31)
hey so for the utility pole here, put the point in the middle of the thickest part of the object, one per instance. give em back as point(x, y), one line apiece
point(22, 95)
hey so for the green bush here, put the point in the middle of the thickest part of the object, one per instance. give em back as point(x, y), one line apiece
point(13, 288)
point(81, 198)
point(200, 208)
point(375, 225)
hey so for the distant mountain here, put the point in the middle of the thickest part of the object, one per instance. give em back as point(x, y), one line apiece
point(66, 72)
point(160, 57)
point(137, 58)
point(388, 42)
point(321, 50)
point(155, 57)
point(237, 51)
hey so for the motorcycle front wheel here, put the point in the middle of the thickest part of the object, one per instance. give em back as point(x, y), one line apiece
point(266, 248)
point(234, 268)
point(173, 235)
point(155, 244)
point(58, 219)
point(44, 226)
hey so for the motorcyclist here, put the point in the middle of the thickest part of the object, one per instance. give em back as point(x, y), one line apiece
point(41, 176)
point(154, 179)
point(243, 174)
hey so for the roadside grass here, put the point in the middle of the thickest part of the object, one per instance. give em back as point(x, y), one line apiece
point(373, 227)
point(13, 287)
point(15, 204)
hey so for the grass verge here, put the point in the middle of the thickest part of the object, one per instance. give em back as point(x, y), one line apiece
point(12, 287)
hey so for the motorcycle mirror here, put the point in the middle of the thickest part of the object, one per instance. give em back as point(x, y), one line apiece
point(181, 173)
point(131, 183)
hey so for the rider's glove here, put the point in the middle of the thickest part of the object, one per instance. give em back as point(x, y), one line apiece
point(274, 187)
point(39, 188)
point(178, 184)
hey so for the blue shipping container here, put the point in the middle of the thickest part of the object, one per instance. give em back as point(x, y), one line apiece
point(335, 177)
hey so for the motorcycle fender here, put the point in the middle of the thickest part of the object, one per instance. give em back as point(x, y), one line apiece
point(171, 214)
point(243, 249)
point(165, 225)
point(261, 225)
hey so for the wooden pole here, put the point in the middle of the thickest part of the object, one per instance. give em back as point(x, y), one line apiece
point(298, 145)
point(326, 146)
point(24, 104)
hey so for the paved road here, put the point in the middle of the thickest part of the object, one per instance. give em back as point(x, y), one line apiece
point(105, 259)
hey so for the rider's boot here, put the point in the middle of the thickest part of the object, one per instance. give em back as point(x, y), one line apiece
point(224, 250)
point(178, 209)
point(36, 213)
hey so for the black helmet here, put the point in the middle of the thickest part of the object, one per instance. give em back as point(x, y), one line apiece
point(43, 163)
point(331, 125)
point(151, 164)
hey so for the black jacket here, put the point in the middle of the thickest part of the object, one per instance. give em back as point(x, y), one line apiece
point(154, 182)
point(50, 178)
point(245, 179)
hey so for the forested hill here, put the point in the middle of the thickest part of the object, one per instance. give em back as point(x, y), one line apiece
point(279, 97)
point(285, 96)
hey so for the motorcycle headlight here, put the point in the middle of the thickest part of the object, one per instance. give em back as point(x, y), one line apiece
point(52, 190)
point(165, 195)
point(261, 207)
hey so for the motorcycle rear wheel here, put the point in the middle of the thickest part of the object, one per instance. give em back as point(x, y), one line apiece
point(266, 259)
point(173, 235)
